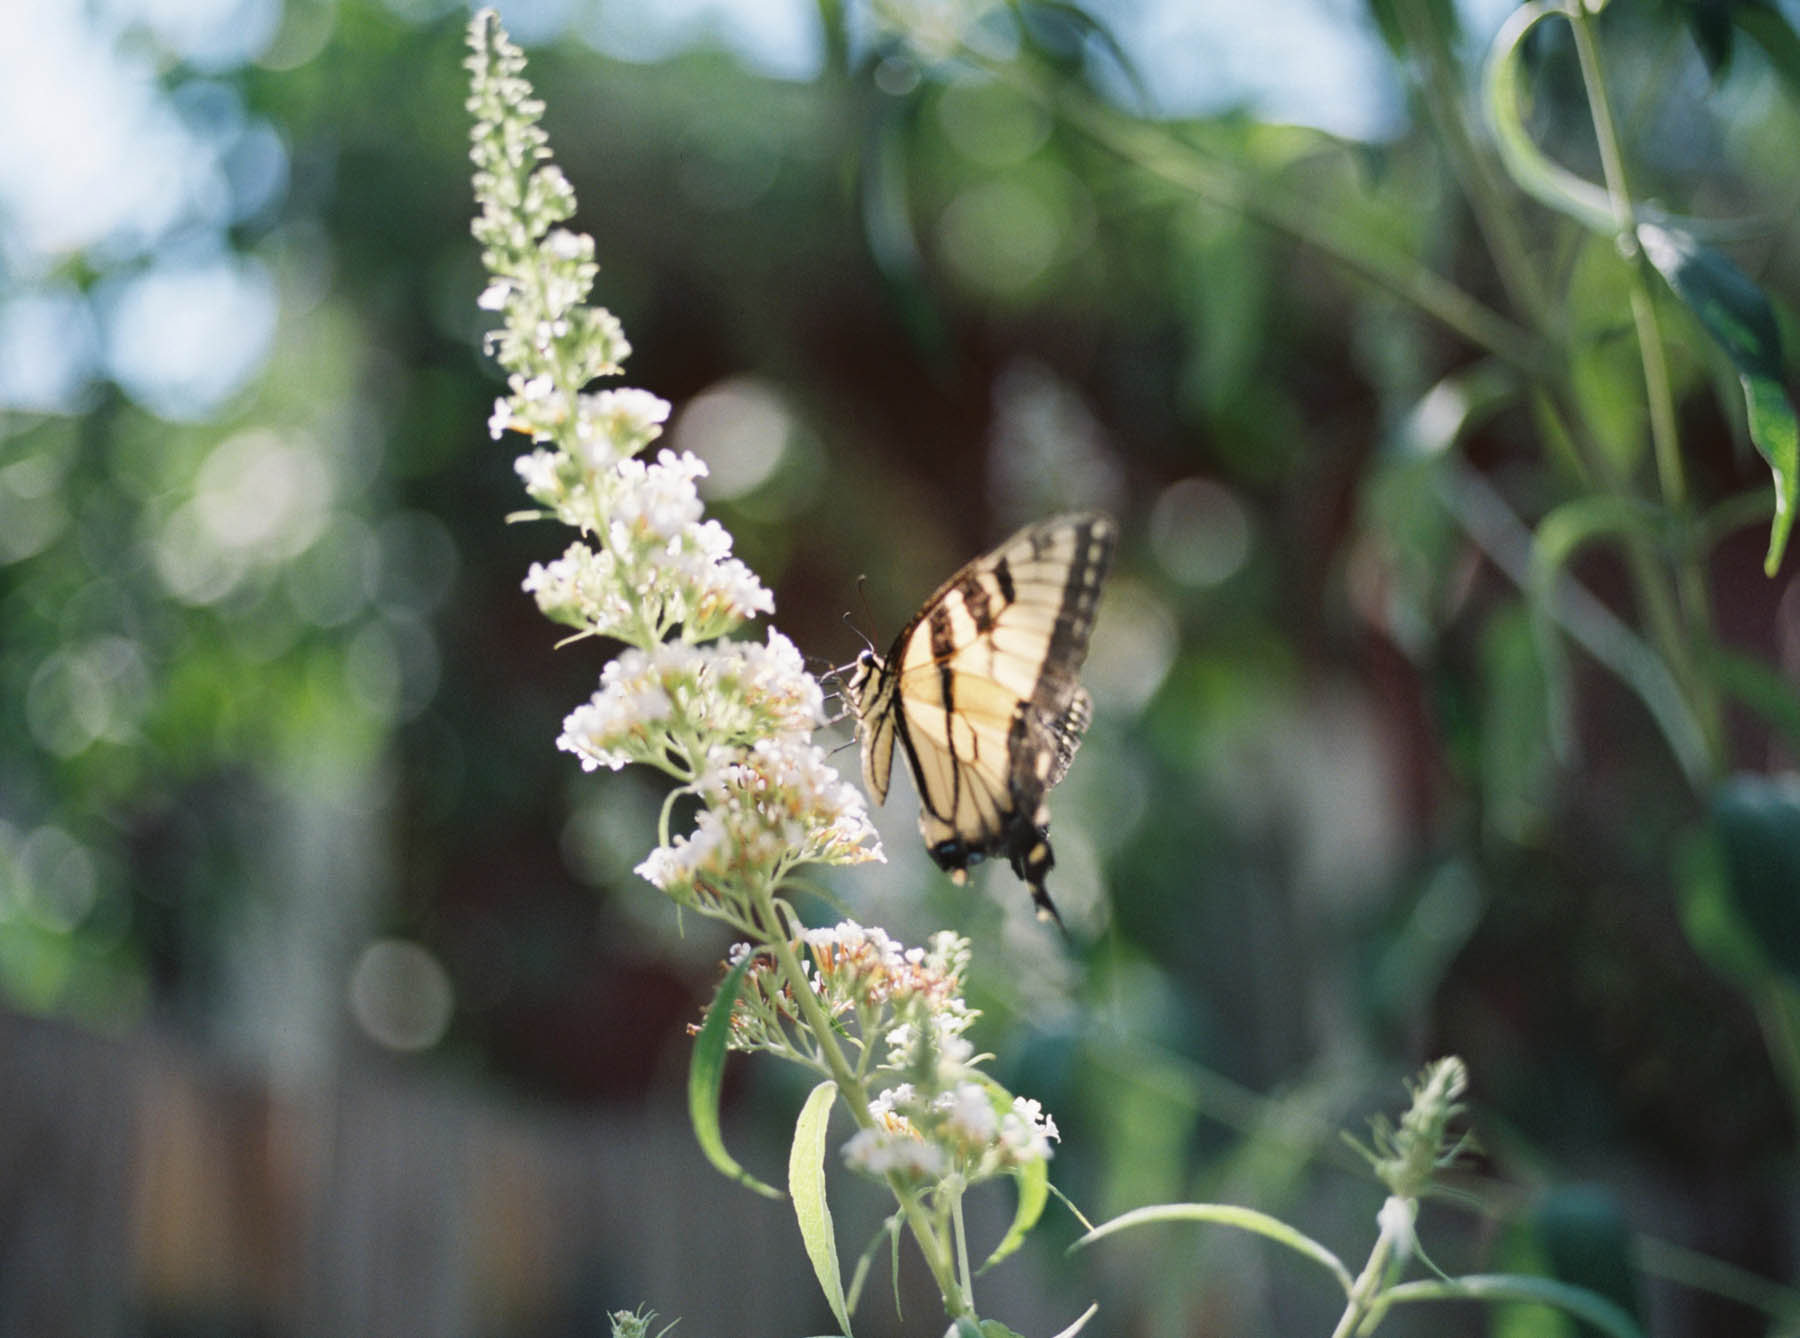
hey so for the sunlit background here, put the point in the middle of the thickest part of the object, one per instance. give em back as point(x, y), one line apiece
point(329, 1002)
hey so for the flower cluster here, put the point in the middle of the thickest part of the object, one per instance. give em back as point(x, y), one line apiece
point(661, 702)
point(1407, 1158)
point(731, 720)
point(774, 806)
point(941, 1116)
point(973, 1130)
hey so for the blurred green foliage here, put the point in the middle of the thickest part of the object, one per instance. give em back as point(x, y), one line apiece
point(1362, 788)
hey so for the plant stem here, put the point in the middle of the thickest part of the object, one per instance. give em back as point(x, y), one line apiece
point(1690, 582)
point(1366, 1291)
point(850, 1087)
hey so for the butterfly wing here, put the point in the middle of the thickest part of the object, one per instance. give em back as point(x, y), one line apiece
point(984, 698)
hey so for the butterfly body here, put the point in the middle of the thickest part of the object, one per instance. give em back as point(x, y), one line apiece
point(979, 694)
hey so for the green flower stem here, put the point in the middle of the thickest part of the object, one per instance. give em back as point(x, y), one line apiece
point(961, 1233)
point(850, 1087)
point(1365, 1292)
point(1665, 437)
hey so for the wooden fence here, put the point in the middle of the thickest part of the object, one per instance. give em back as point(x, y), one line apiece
point(150, 1190)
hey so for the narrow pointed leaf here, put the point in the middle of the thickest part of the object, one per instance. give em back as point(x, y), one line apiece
point(1757, 819)
point(1735, 313)
point(806, 1186)
point(706, 1072)
point(1558, 538)
point(1583, 1233)
point(1227, 1214)
point(1081, 1321)
point(1577, 1301)
point(889, 1230)
point(1034, 1192)
point(1770, 29)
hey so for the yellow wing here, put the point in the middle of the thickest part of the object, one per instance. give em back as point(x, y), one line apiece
point(981, 697)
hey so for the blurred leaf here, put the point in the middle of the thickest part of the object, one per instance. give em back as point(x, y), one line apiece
point(1556, 541)
point(1416, 954)
point(1761, 687)
point(1034, 1192)
point(1492, 1287)
point(1393, 27)
point(1757, 820)
point(887, 224)
point(1520, 1253)
point(806, 1186)
point(1219, 263)
point(1606, 370)
point(890, 1231)
point(1081, 1322)
point(1709, 919)
point(1583, 1231)
point(1735, 313)
point(1402, 516)
point(1520, 737)
point(1225, 1214)
point(1710, 23)
point(706, 1072)
point(1770, 29)
point(1068, 35)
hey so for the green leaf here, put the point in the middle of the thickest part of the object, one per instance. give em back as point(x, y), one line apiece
point(1735, 313)
point(1080, 1321)
point(1764, 689)
point(1393, 28)
point(1757, 820)
point(1577, 1301)
point(706, 1073)
point(1582, 1228)
point(889, 1231)
point(1535, 174)
point(1606, 369)
point(1708, 917)
point(1524, 723)
point(806, 1186)
point(1226, 1214)
point(1034, 1192)
point(1558, 538)
point(1770, 30)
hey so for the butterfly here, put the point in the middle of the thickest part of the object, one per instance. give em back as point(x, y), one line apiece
point(979, 695)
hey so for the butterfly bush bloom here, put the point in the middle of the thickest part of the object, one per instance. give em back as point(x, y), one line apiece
point(730, 719)
point(940, 1115)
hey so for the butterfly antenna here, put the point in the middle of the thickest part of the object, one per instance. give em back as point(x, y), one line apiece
point(848, 617)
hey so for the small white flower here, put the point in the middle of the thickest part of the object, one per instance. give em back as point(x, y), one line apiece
point(561, 244)
point(1026, 1132)
point(879, 1152)
point(969, 1114)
